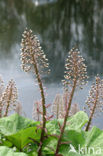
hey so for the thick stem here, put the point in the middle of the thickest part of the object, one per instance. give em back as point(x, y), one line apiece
point(43, 107)
point(93, 110)
point(66, 117)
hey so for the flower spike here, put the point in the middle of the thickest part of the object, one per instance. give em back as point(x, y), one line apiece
point(95, 99)
point(75, 76)
point(33, 58)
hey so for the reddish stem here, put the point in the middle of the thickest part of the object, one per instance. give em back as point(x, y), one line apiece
point(93, 110)
point(43, 106)
point(8, 102)
point(66, 117)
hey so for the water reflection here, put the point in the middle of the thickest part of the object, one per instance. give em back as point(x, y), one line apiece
point(60, 26)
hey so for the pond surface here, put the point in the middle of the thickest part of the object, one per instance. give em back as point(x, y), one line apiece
point(60, 25)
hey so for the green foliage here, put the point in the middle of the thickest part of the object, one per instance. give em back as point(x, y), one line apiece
point(72, 133)
point(24, 136)
point(13, 124)
point(19, 136)
point(5, 151)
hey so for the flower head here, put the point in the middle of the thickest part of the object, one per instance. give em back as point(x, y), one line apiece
point(75, 69)
point(95, 98)
point(31, 52)
point(9, 98)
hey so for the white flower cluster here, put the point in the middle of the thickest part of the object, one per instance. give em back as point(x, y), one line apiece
point(95, 98)
point(8, 100)
point(31, 52)
point(76, 70)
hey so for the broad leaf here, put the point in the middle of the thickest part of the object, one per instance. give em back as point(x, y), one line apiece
point(85, 144)
point(14, 123)
point(25, 136)
point(5, 151)
point(76, 122)
point(72, 133)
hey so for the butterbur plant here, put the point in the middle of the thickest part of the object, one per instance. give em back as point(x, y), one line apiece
point(58, 136)
point(75, 75)
point(33, 58)
point(36, 114)
point(9, 98)
point(95, 99)
point(58, 106)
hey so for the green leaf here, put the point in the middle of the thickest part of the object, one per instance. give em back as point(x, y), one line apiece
point(33, 154)
point(91, 142)
point(49, 144)
point(76, 122)
point(5, 151)
point(18, 130)
point(94, 139)
point(6, 143)
point(22, 138)
point(72, 133)
point(14, 123)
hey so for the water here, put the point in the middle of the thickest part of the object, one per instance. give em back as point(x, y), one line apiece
point(60, 25)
